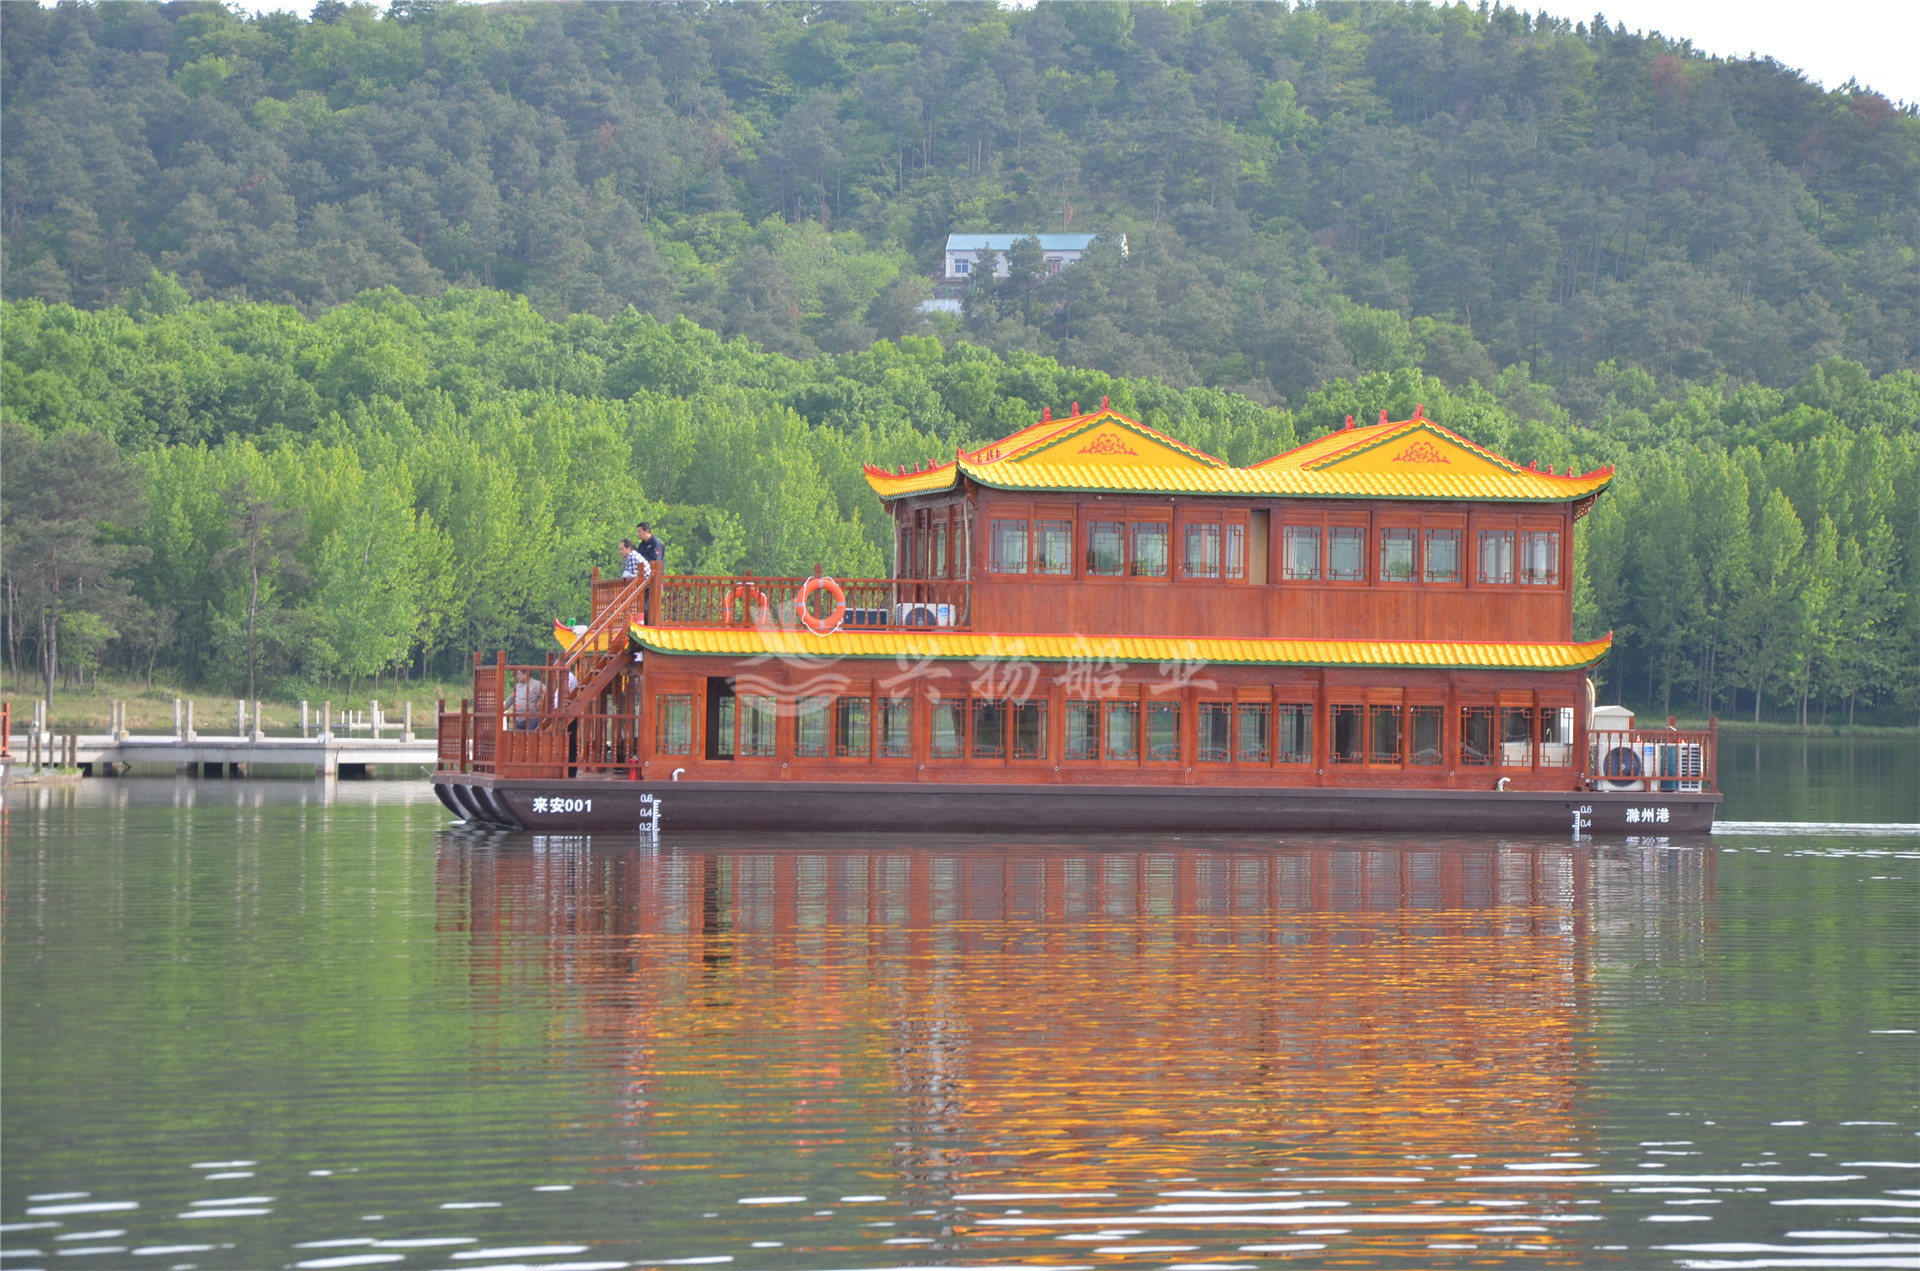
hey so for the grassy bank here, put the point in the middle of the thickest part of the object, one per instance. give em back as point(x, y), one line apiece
point(150, 710)
point(1747, 727)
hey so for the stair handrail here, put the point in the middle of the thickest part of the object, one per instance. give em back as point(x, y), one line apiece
point(622, 609)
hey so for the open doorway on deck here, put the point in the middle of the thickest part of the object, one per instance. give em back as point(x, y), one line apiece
point(721, 716)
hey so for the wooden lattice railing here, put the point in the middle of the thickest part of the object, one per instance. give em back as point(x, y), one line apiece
point(872, 603)
point(1655, 759)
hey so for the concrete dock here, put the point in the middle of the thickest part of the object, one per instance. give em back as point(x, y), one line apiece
point(99, 753)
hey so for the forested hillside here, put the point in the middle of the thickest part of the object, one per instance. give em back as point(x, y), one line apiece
point(1306, 193)
point(344, 347)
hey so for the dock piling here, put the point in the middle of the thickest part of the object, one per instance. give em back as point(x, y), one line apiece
point(303, 719)
point(191, 734)
point(406, 727)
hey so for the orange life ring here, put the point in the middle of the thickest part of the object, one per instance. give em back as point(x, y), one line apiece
point(830, 623)
point(758, 612)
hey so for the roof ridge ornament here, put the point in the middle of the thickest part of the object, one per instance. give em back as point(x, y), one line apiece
point(1349, 422)
point(1383, 414)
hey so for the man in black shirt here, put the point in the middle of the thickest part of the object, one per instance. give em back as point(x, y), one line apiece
point(653, 551)
point(650, 547)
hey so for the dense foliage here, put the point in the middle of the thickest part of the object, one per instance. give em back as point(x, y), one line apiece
point(1307, 193)
point(399, 481)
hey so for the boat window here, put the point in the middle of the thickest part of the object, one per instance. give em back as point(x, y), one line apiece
point(1556, 736)
point(1540, 558)
point(1516, 736)
point(852, 727)
point(1200, 551)
point(1212, 730)
point(1347, 554)
point(1233, 551)
point(1149, 555)
point(1443, 556)
point(673, 723)
point(989, 729)
point(949, 730)
point(1122, 732)
point(939, 569)
point(896, 728)
point(1253, 739)
point(1300, 552)
point(754, 723)
point(810, 725)
point(1083, 730)
point(1106, 546)
point(1396, 555)
point(1053, 547)
point(1476, 735)
point(1163, 732)
point(1030, 730)
point(1293, 732)
point(1423, 725)
point(1349, 733)
point(1383, 733)
point(1007, 552)
point(1496, 556)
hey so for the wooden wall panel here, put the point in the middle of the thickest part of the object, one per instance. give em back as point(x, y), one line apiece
point(1177, 607)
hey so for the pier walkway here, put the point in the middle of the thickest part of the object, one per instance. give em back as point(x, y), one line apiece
point(99, 753)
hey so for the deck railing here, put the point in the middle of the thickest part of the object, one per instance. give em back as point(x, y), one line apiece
point(692, 600)
point(1657, 760)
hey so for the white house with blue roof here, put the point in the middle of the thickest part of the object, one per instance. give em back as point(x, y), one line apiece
point(964, 250)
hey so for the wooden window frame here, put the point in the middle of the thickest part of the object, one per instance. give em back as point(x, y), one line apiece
point(1294, 701)
point(1044, 514)
point(1227, 519)
point(1558, 580)
point(1350, 526)
point(1139, 519)
point(1104, 518)
point(1317, 523)
point(1416, 534)
point(1462, 551)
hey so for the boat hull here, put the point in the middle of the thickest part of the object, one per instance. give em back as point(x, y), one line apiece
point(594, 807)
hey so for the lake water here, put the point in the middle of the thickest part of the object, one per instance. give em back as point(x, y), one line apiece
point(261, 1025)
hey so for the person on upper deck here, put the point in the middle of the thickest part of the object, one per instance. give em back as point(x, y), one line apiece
point(650, 547)
point(632, 563)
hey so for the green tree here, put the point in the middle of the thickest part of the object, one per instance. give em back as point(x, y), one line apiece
point(66, 505)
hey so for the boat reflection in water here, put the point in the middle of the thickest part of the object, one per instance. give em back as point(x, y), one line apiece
point(965, 1016)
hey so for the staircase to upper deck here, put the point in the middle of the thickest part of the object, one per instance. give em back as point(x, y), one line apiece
point(575, 719)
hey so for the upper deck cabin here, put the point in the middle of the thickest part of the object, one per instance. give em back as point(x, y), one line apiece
point(1097, 524)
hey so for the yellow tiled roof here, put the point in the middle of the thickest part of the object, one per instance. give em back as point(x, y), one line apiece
point(1523, 486)
point(1320, 447)
point(972, 646)
point(1411, 459)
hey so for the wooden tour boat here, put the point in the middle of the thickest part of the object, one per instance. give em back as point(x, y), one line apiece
point(1094, 627)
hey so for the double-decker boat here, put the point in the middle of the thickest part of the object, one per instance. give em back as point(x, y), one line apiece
point(1092, 626)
